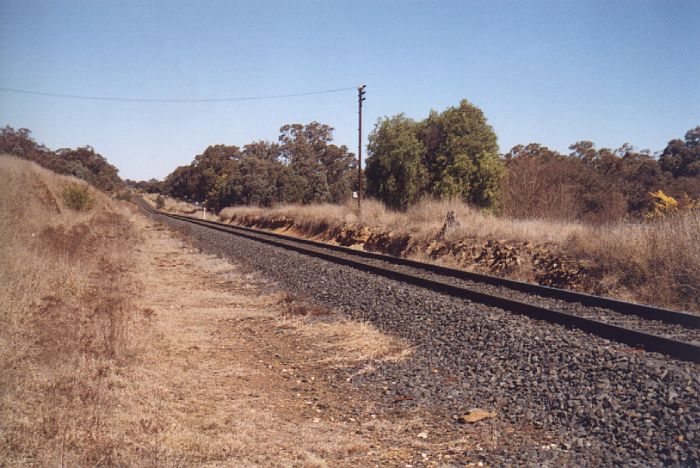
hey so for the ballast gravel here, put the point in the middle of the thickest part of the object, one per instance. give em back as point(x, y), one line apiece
point(606, 404)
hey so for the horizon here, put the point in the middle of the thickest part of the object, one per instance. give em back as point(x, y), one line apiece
point(548, 73)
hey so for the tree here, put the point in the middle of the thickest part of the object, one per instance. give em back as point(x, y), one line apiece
point(217, 162)
point(532, 150)
point(254, 183)
point(91, 166)
point(682, 158)
point(640, 174)
point(395, 171)
point(459, 158)
point(326, 168)
point(589, 184)
point(539, 183)
point(462, 155)
point(183, 182)
point(262, 150)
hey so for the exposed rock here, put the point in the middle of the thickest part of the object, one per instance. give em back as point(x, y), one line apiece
point(475, 415)
point(544, 264)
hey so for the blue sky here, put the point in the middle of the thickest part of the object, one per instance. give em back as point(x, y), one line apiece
point(552, 72)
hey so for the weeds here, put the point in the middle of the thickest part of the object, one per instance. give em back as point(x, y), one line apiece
point(124, 195)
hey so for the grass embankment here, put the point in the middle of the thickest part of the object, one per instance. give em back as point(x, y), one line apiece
point(657, 262)
point(64, 309)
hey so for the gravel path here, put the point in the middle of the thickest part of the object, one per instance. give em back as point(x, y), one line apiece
point(607, 405)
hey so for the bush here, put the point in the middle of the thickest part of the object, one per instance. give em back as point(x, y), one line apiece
point(124, 195)
point(77, 197)
point(160, 202)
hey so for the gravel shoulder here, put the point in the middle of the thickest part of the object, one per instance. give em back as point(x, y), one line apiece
point(230, 369)
point(598, 402)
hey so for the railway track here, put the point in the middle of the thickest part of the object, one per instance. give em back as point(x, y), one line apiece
point(642, 327)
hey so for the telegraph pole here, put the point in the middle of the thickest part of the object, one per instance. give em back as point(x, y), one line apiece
point(360, 98)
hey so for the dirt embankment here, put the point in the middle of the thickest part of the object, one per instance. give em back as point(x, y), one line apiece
point(544, 264)
point(68, 282)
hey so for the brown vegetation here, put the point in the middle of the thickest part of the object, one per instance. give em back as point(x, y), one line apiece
point(654, 262)
point(171, 205)
point(64, 309)
point(597, 185)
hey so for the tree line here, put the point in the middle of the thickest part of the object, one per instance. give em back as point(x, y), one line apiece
point(82, 162)
point(449, 154)
point(455, 154)
point(303, 166)
point(598, 185)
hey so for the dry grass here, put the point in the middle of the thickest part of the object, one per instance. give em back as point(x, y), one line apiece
point(63, 319)
point(218, 368)
point(422, 220)
point(348, 341)
point(656, 262)
point(659, 260)
point(342, 341)
point(192, 379)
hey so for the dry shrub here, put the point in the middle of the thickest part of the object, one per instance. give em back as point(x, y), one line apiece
point(537, 188)
point(171, 205)
point(77, 197)
point(562, 189)
point(124, 195)
point(64, 319)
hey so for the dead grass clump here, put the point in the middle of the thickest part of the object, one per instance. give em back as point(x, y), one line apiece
point(343, 341)
point(350, 342)
point(64, 318)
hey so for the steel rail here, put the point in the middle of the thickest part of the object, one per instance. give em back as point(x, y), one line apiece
point(648, 312)
point(650, 342)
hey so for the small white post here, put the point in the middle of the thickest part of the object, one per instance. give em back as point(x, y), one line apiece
point(204, 213)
